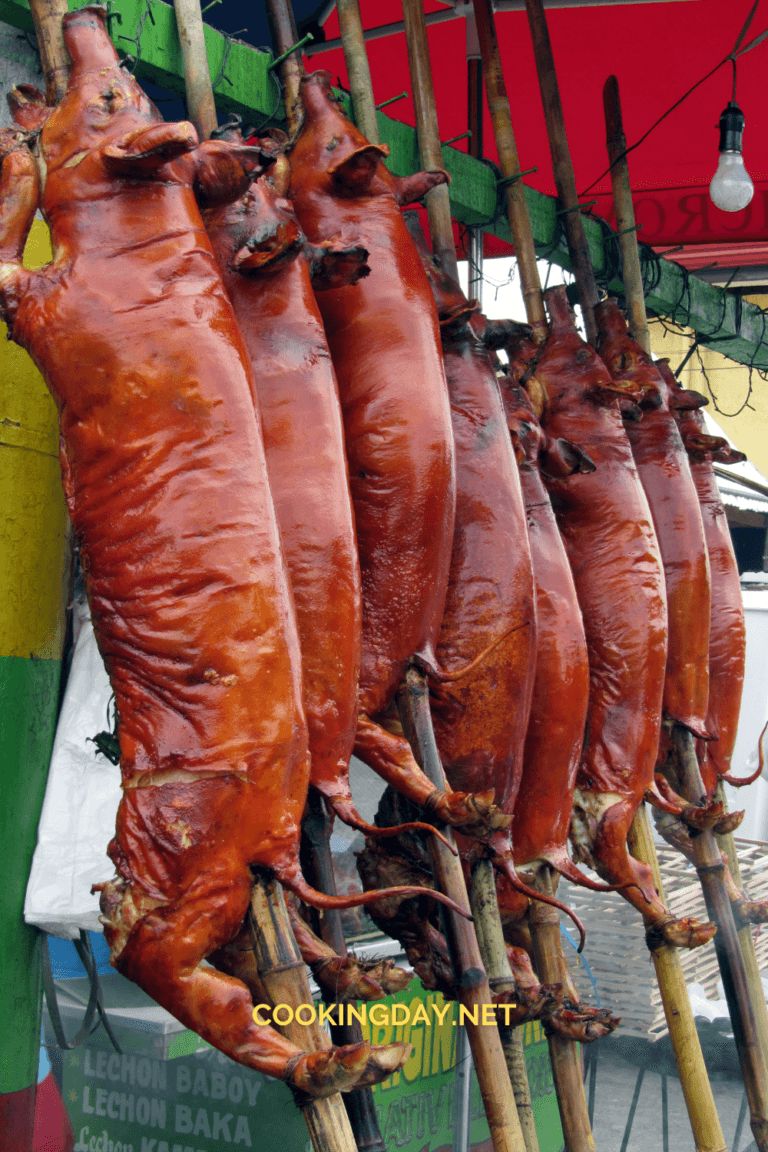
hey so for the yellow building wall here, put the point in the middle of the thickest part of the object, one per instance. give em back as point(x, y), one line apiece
point(741, 410)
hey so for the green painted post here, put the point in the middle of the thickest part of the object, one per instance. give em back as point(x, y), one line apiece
point(33, 588)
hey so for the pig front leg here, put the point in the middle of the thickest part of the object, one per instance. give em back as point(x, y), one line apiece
point(389, 754)
point(19, 199)
point(224, 171)
point(162, 948)
point(344, 978)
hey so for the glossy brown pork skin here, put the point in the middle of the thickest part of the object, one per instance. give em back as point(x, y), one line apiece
point(481, 719)
point(727, 636)
point(663, 468)
point(609, 538)
point(555, 733)
point(167, 489)
point(384, 339)
point(266, 266)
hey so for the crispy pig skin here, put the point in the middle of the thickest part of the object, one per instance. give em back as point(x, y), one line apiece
point(480, 719)
point(608, 535)
point(384, 339)
point(297, 397)
point(662, 464)
point(167, 489)
point(555, 733)
point(727, 635)
point(166, 482)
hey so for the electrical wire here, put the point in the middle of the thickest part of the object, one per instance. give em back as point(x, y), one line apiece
point(732, 55)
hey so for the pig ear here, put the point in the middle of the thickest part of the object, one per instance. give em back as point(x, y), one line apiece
point(356, 171)
point(728, 455)
point(28, 107)
point(336, 267)
point(686, 400)
point(561, 458)
point(143, 151)
point(409, 189)
point(612, 390)
point(264, 248)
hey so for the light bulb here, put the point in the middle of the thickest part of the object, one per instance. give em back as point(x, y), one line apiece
point(731, 188)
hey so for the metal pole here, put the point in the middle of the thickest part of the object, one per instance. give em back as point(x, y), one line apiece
point(475, 125)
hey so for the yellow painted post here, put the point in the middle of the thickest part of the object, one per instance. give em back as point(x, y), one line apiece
point(34, 573)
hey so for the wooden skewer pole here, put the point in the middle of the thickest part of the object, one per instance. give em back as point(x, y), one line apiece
point(551, 968)
point(279, 961)
point(47, 16)
point(317, 866)
point(694, 1080)
point(358, 69)
point(727, 845)
point(517, 205)
point(490, 939)
point(616, 143)
point(285, 981)
point(566, 1067)
point(430, 150)
point(710, 868)
point(280, 13)
point(677, 1008)
point(197, 77)
point(473, 990)
point(565, 181)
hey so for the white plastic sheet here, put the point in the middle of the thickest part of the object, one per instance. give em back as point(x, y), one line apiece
point(81, 799)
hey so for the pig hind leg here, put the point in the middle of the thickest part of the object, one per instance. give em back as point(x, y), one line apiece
point(745, 910)
point(610, 857)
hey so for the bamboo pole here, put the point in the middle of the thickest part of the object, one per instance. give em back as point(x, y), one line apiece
point(566, 1065)
point(694, 1080)
point(285, 980)
point(669, 974)
point(47, 16)
point(473, 990)
point(280, 13)
point(517, 205)
point(430, 151)
point(710, 868)
point(706, 852)
point(616, 143)
point(490, 939)
point(197, 76)
point(317, 866)
point(565, 181)
point(727, 845)
point(358, 70)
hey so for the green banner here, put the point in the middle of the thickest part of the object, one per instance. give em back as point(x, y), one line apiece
point(204, 1102)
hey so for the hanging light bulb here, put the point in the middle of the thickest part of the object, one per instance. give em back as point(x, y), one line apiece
point(731, 188)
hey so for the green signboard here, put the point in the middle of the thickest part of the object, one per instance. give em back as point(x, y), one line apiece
point(204, 1102)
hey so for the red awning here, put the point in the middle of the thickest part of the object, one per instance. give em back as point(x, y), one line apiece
point(657, 51)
